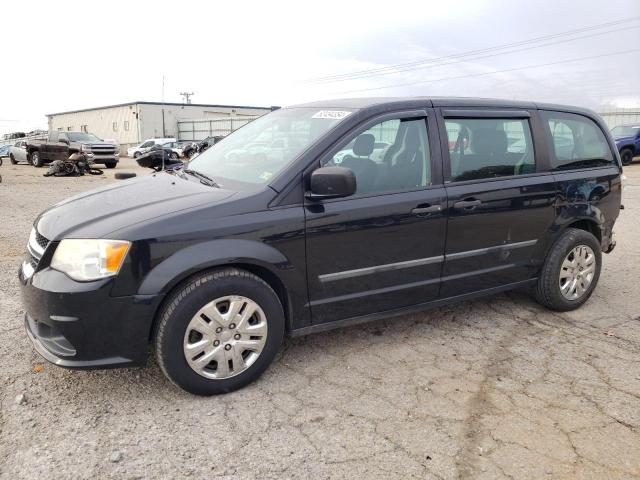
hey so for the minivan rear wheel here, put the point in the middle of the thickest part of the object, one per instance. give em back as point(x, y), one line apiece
point(570, 272)
point(219, 331)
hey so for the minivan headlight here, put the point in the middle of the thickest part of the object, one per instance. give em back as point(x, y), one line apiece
point(84, 259)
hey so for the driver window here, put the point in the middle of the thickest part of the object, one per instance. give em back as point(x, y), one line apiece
point(390, 156)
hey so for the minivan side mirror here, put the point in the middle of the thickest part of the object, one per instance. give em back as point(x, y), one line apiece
point(332, 182)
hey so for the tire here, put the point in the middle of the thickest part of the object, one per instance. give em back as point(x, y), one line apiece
point(175, 327)
point(548, 290)
point(110, 164)
point(626, 155)
point(174, 156)
point(136, 154)
point(13, 159)
point(36, 161)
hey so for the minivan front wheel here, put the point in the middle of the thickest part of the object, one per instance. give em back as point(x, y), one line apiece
point(570, 272)
point(219, 332)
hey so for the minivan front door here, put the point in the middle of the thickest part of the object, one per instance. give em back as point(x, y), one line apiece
point(500, 201)
point(382, 248)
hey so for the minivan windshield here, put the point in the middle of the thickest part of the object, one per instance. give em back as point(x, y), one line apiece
point(261, 149)
point(624, 131)
point(82, 137)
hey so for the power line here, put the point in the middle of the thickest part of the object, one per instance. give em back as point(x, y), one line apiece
point(474, 58)
point(493, 72)
point(426, 62)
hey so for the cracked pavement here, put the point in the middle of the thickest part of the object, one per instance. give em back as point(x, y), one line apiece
point(495, 388)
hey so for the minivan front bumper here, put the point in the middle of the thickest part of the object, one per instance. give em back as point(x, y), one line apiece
point(80, 325)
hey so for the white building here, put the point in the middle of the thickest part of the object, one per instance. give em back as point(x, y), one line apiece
point(131, 123)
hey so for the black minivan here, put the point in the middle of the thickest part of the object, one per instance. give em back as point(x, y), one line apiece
point(319, 216)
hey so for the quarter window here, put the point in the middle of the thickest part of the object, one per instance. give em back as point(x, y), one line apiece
point(577, 142)
point(390, 156)
point(489, 147)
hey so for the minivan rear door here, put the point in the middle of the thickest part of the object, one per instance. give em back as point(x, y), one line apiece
point(500, 198)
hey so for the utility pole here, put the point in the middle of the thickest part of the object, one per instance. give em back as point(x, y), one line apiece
point(187, 96)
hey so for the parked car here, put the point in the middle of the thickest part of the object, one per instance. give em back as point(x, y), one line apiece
point(18, 152)
point(4, 152)
point(215, 262)
point(627, 139)
point(60, 145)
point(209, 142)
point(176, 149)
point(144, 147)
point(158, 158)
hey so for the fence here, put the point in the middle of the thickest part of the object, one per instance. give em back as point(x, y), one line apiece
point(624, 116)
point(196, 130)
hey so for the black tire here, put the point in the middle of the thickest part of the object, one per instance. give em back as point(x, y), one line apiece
point(110, 164)
point(174, 156)
point(13, 159)
point(626, 155)
point(36, 161)
point(185, 302)
point(547, 291)
point(136, 154)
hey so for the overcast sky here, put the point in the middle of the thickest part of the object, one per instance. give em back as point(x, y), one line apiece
point(72, 55)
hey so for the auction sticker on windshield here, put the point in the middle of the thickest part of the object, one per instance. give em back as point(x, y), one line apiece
point(331, 114)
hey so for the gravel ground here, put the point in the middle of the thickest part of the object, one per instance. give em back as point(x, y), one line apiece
point(496, 388)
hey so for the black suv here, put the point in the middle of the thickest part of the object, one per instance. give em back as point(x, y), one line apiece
point(320, 216)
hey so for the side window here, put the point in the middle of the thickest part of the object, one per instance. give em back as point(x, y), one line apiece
point(577, 141)
point(147, 144)
point(489, 147)
point(390, 156)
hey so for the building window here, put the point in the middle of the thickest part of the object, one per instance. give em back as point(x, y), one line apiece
point(115, 126)
point(59, 129)
point(126, 125)
point(69, 128)
point(83, 128)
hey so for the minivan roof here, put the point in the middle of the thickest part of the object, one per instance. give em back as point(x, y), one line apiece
point(417, 102)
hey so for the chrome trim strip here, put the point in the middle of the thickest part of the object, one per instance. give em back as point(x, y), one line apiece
point(378, 291)
point(330, 277)
point(483, 251)
point(27, 270)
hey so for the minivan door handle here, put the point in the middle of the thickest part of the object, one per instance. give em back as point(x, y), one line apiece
point(469, 203)
point(426, 208)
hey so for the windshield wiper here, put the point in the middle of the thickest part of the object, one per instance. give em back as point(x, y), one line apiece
point(205, 179)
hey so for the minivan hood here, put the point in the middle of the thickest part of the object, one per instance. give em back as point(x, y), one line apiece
point(623, 139)
point(96, 213)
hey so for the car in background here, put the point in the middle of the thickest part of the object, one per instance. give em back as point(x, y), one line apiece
point(627, 138)
point(18, 152)
point(175, 147)
point(144, 147)
point(60, 145)
point(4, 152)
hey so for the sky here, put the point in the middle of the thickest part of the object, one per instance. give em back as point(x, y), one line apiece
point(79, 54)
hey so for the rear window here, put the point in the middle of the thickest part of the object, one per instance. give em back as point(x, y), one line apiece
point(489, 147)
point(577, 141)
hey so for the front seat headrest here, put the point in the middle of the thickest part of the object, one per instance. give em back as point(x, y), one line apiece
point(363, 146)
